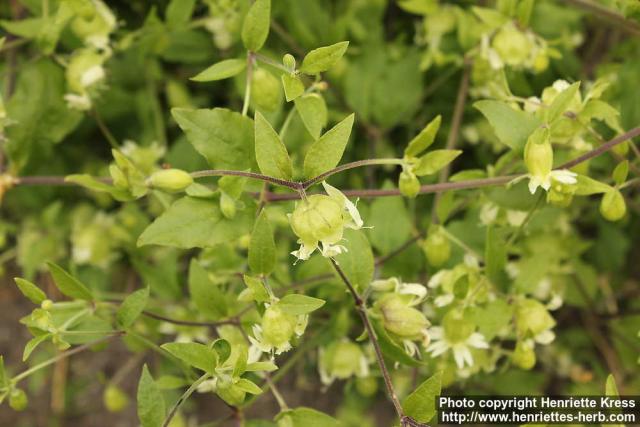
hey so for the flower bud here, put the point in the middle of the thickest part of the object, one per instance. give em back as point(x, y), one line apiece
point(47, 304)
point(18, 399)
point(277, 327)
point(400, 319)
point(436, 248)
point(456, 327)
point(289, 62)
point(613, 206)
point(114, 399)
point(538, 157)
point(227, 206)
point(170, 180)
point(266, 90)
point(409, 184)
point(317, 218)
point(531, 316)
point(524, 356)
point(512, 45)
point(342, 359)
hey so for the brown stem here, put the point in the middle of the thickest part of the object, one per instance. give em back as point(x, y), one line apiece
point(224, 172)
point(454, 132)
point(362, 311)
point(232, 321)
point(608, 15)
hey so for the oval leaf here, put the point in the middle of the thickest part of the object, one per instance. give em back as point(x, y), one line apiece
point(262, 247)
point(323, 58)
point(296, 304)
point(221, 70)
point(435, 160)
point(132, 307)
point(424, 139)
point(326, 152)
point(194, 354)
point(151, 409)
point(69, 285)
point(313, 112)
point(30, 290)
point(271, 154)
point(255, 28)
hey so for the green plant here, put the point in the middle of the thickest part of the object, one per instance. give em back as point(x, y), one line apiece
point(234, 244)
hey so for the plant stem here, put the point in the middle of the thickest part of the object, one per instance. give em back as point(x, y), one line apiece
point(608, 14)
point(104, 129)
point(454, 132)
point(223, 172)
point(357, 164)
point(61, 356)
point(183, 399)
point(362, 311)
point(247, 88)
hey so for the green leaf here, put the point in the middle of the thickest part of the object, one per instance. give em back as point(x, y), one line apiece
point(313, 111)
point(31, 291)
point(390, 223)
point(222, 348)
point(94, 184)
point(257, 288)
point(255, 28)
point(194, 354)
point(424, 139)
point(271, 154)
point(221, 70)
point(293, 86)
point(611, 389)
point(492, 318)
point(435, 160)
point(421, 404)
point(390, 349)
point(561, 102)
point(307, 417)
point(297, 304)
point(151, 408)
point(205, 294)
point(132, 307)
point(323, 58)
point(495, 255)
point(512, 127)
point(620, 172)
point(248, 386)
point(3, 372)
point(261, 366)
point(179, 12)
point(358, 262)
point(262, 246)
point(325, 153)
point(242, 355)
point(587, 186)
point(194, 223)
point(223, 137)
point(69, 285)
point(32, 344)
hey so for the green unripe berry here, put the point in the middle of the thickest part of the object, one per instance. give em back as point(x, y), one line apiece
point(170, 180)
point(46, 304)
point(399, 318)
point(277, 327)
point(613, 206)
point(437, 248)
point(409, 184)
point(524, 356)
point(317, 218)
point(18, 399)
point(367, 386)
point(227, 206)
point(115, 400)
point(343, 359)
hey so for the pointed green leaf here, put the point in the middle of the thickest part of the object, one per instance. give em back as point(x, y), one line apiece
point(307, 417)
point(95, 184)
point(512, 127)
point(435, 160)
point(323, 58)
point(561, 102)
point(255, 28)
point(588, 186)
point(205, 294)
point(421, 404)
point(297, 304)
point(179, 12)
point(132, 307)
point(313, 112)
point(271, 154)
point(257, 288)
point(262, 247)
point(221, 70)
point(611, 389)
point(293, 86)
point(32, 344)
point(248, 386)
point(326, 152)
point(31, 291)
point(261, 366)
point(3, 373)
point(424, 139)
point(194, 354)
point(194, 223)
point(151, 408)
point(620, 172)
point(223, 137)
point(69, 285)
point(392, 350)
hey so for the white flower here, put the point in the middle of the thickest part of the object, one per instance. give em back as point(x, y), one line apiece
point(461, 350)
point(561, 176)
point(78, 102)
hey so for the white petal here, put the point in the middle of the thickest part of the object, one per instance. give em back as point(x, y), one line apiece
point(545, 337)
point(459, 354)
point(305, 251)
point(356, 221)
point(477, 340)
point(443, 300)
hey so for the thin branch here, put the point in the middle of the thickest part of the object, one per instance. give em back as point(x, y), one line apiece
point(357, 164)
point(362, 311)
point(247, 88)
point(104, 129)
point(608, 15)
point(224, 172)
point(232, 321)
point(454, 132)
point(184, 398)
